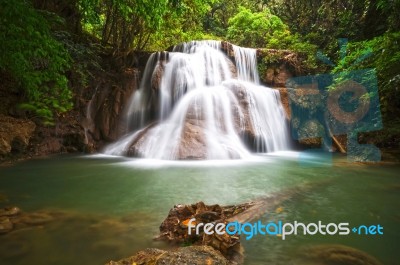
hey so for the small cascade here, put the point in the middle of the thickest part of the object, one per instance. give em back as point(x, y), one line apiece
point(88, 124)
point(143, 101)
point(205, 106)
point(246, 64)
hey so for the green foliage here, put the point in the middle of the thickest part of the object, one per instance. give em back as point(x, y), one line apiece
point(182, 25)
point(139, 25)
point(385, 59)
point(123, 24)
point(253, 29)
point(34, 58)
point(84, 55)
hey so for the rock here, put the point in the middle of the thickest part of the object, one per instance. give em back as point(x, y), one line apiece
point(36, 218)
point(193, 142)
point(335, 254)
point(174, 228)
point(10, 211)
point(277, 75)
point(5, 225)
point(193, 255)
point(14, 134)
point(228, 245)
point(106, 106)
point(285, 101)
point(52, 145)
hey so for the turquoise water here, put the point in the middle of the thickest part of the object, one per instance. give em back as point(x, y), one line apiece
point(113, 206)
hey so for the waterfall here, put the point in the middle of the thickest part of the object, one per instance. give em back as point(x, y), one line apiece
point(206, 105)
point(246, 64)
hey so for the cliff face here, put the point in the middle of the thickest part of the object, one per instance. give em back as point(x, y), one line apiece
point(94, 120)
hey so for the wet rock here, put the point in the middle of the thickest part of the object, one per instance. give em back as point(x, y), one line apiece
point(10, 211)
point(277, 75)
point(5, 225)
point(193, 142)
point(136, 148)
point(15, 134)
point(285, 101)
point(335, 254)
point(12, 218)
point(36, 218)
point(174, 228)
point(106, 106)
point(228, 245)
point(194, 255)
point(52, 145)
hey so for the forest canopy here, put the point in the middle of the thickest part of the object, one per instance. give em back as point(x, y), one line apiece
point(45, 42)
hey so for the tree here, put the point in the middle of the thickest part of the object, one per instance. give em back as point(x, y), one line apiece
point(34, 58)
point(252, 29)
point(131, 24)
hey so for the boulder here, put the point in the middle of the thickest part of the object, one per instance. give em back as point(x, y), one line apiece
point(193, 142)
point(194, 255)
point(15, 134)
point(9, 211)
point(174, 228)
point(5, 225)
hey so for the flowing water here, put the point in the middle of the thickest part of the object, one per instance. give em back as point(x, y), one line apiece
point(113, 206)
point(199, 85)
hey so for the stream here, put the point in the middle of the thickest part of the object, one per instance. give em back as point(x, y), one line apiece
point(112, 206)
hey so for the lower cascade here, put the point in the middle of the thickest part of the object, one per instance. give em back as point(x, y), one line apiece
point(197, 103)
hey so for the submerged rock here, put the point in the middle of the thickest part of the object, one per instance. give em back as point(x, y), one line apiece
point(9, 211)
point(12, 218)
point(193, 255)
point(5, 225)
point(335, 254)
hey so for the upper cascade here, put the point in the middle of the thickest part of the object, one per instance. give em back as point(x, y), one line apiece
point(197, 103)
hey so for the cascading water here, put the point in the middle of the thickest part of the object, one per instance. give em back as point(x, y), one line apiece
point(195, 103)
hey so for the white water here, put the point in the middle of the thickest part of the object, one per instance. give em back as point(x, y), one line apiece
point(197, 90)
point(246, 64)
